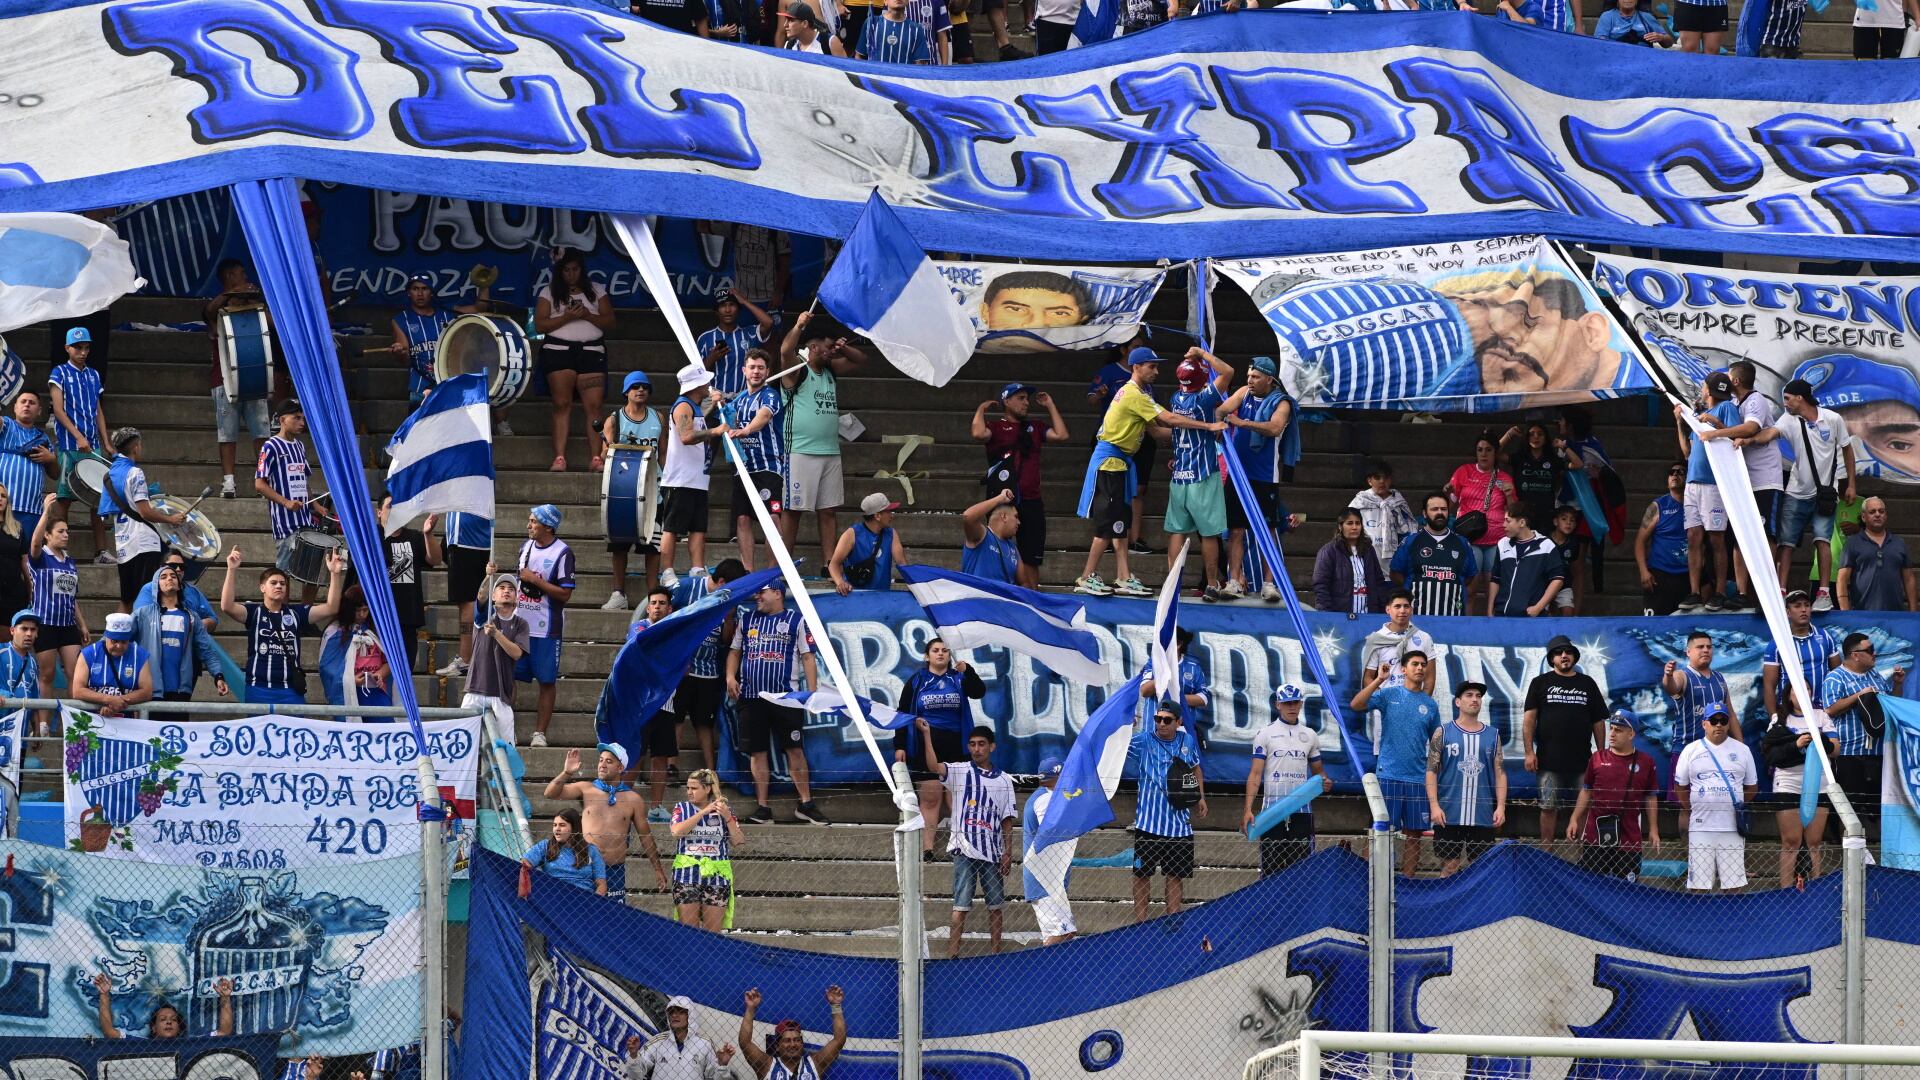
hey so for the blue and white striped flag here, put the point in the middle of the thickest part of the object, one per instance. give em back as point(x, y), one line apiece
point(1097, 21)
point(59, 266)
point(827, 701)
point(973, 613)
point(1080, 802)
point(1165, 657)
point(884, 286)
point(443, 454)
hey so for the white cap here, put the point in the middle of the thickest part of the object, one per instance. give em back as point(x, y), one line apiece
point(119, 626)
point(681, 1002)
point(692, 376)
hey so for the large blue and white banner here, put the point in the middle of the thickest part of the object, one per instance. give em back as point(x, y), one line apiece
point(251, 1057)
point(1198, 993)
point(1480, 326)
point(260, 793)
point(329, 952)
point(1269, 133)
point(1248, 651)
point(1856, 340)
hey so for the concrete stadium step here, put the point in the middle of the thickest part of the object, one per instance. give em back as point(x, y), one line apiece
point(809, 915)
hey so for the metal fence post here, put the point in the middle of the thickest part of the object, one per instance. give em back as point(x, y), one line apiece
point(1379, 910)
point(1853, 940)
point(433, 929)
point(906, 855)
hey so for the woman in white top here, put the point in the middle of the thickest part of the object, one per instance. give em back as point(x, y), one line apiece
point(1786, 746)
point(1880, 28)
point(805, 31)
point(574, 315)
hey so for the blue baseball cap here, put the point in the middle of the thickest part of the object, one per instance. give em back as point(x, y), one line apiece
point(1013, 388)
point(636, 378)
point(420, 279)
point(1623, 718)
point(1715, 708)
point(78, 335)
point(1051, 766)
point(546, 514)
point(1841, 379)
point(26, 614)
point(1288, 692)
point(1142, 355)
point(1265, 366)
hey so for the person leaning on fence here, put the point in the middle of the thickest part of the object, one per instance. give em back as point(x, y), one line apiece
point(165, 1021)
point(1172, 786)
point(176, 638)
point(1618, 809)
point(676, 1053)
point(1466, 781)
point(610, 808)
point(1786, 748)
point(500, 638)
point(707, 831)
point(981, 838)
point(1852, 694)
point(1714, 780)
point(275, 627)
point(567, 856)
point(1408, 719)
point(1286, 754)
point(114, 672)
point(788, 1058)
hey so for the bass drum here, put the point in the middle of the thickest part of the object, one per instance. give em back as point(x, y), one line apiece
point(492, 345)
point(246, 353)
point(86, 477)
point(629, 495)
point(308, 563)
point(196, 538)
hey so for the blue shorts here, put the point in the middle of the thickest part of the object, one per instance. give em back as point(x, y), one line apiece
point(1485, 555)
point(263, 695)
point(617, 882)
point(541, 662)
point(1406, 805)
point(968, 872)
point(1794, 517)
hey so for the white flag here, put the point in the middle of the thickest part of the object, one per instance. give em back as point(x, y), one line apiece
point(59, 266)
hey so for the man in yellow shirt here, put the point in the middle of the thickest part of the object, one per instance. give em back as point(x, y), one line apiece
point(1107, 494)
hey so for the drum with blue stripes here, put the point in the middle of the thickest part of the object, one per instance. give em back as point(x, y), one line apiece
point(246, 354)
point(493, 345)
point(13, 373)
point(628, 494)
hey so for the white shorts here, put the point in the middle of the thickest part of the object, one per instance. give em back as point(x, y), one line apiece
point(1055, 916)
point(1712, 855)
point(814, 482)
point(502, 713)
point(1563, 598)
point(1703, 508)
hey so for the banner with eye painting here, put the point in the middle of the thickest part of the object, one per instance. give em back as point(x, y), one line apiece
point(1487, 325)
point(331, 953)
point(260, 793)
point(1855, 340)
point(1022, 308)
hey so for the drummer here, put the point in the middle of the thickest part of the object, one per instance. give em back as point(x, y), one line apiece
point(417, 329)
point(134, 536)
point(282, 478)
point(80, 425)
point(237, 290)
point(636, 424)
point(275, 627)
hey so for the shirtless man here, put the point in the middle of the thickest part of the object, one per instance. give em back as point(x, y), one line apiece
point(608, 809)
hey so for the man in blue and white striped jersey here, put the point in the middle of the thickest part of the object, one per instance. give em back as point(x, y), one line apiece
point(981, 838)
point(1466, 781)
point(1846, 689)
point(26, 460)
point(1163, 832)
point(1815, 648)
point(723, 349)
point(894, 39)
point(757, 439)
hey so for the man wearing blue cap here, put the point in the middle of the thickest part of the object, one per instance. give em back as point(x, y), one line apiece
point(114, 672)
point(1714, 780)
point(546, 584)
point(19, 670)
point(1112, 478)
point(1014, 442)
point(79, 424)
point(1286, 754)
point(1261, 416)
point(417, 330)
point(1618, 808)
point(1053, 913)
point(633, 424)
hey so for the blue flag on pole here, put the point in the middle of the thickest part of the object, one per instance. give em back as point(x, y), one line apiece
point(651, 664)
point(884, 286)
point(1088, 778)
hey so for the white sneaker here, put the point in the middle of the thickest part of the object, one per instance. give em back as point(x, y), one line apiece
point(1823, 601)
point(1233, 590)
point(106, 558)
point(668, 579)
point(539, 738)
point(227, 489)
point(616, 602)
point(502, 428)
point(454, 670)
point(1270, 593)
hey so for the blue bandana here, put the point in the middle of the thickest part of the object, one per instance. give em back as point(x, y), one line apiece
point(613, 790)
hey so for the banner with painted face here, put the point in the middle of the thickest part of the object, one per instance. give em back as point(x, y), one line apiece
point(260, 793)
point(1855, 340)
point(1021, 308)
point(1273, 132)
point(1200, 993)
point(227, 1058)
point(1479, 326)
point(1246, 653)
point(329, 952)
